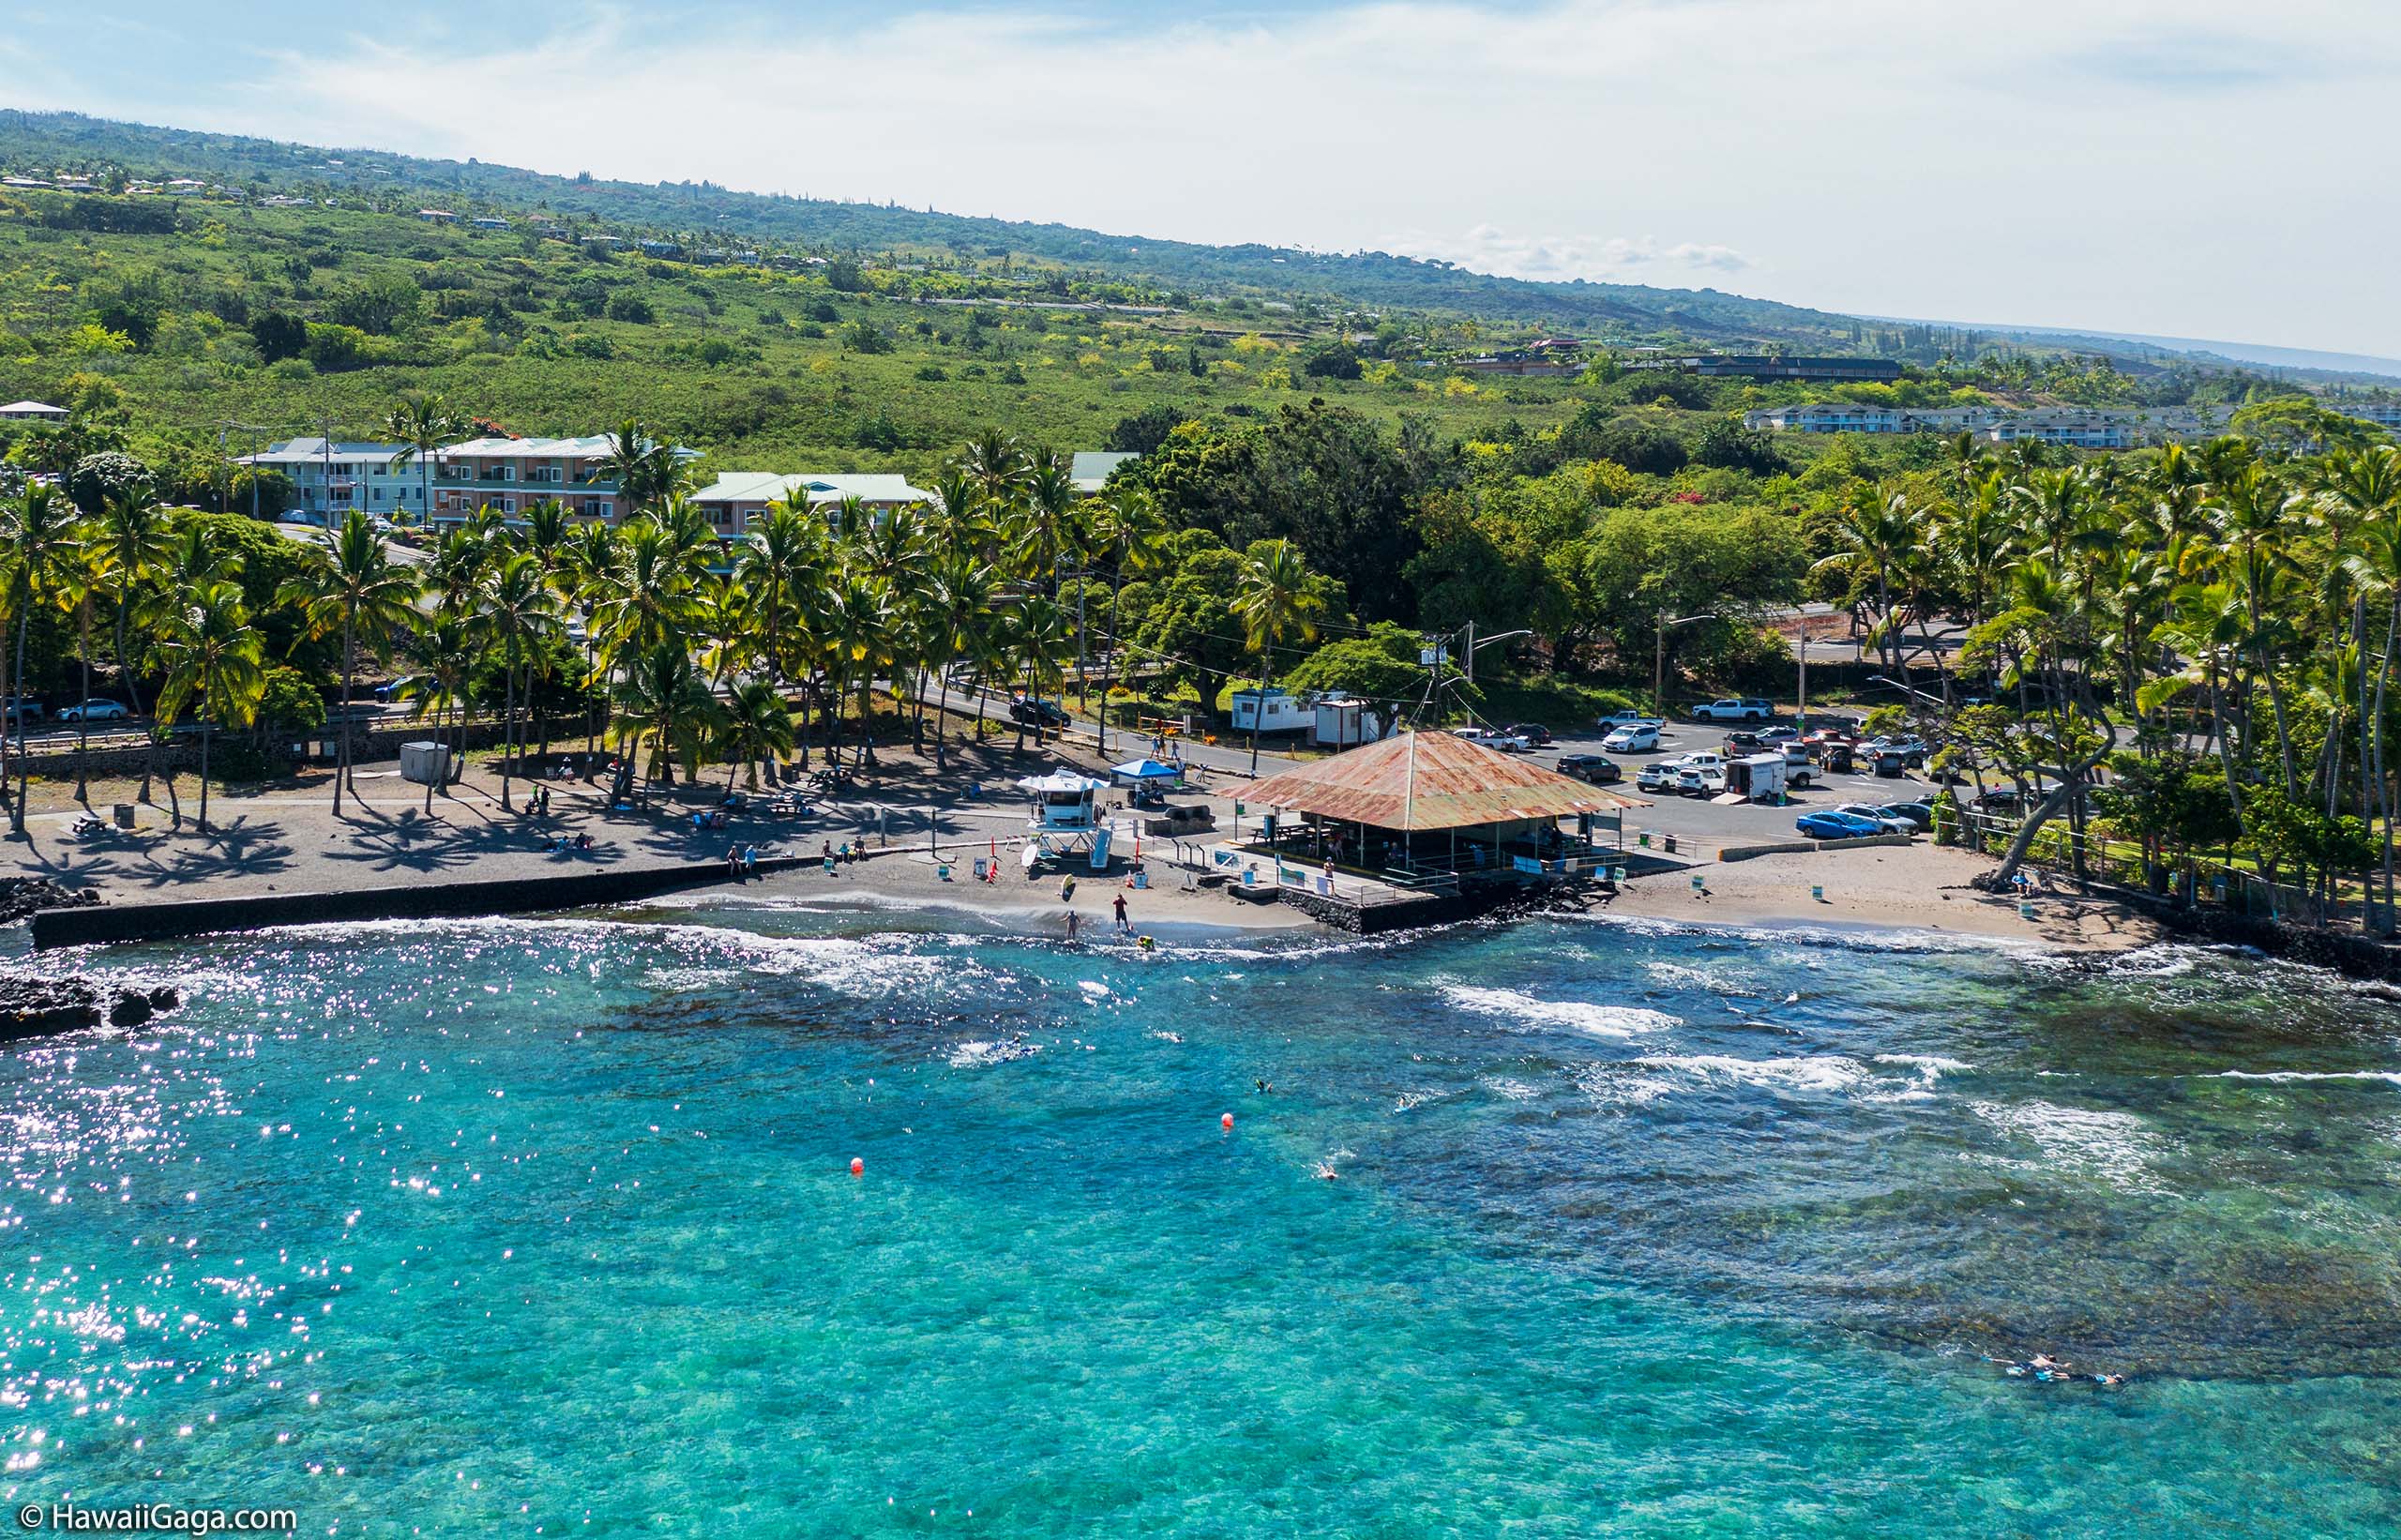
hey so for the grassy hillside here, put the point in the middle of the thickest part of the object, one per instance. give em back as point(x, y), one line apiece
point(43, 141)
point(287, 317)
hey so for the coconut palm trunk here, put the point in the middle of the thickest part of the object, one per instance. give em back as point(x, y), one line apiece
point(17, 693)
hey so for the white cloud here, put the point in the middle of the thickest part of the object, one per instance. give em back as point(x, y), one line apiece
point(2053, 161)
point(1616, 259)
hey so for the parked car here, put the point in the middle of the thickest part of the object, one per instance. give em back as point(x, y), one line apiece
point(1658, 776)
point(1909, 746)
point(1534, 733)
point(1781, 732)
point(1734, 709)
point(1038, 713)
point(303, 517)
point(1590, 767)
point(1706, 780)
point(1920, 814)
point(95, 711)
point(1492, 738)
point(32, 711)
point(1836, 826)
point(1633, 738)
point(1886, 819)
point(1616, 719)
point(1743, 743)
point(2000, 799)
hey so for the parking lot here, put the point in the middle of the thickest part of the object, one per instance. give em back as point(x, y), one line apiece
point(1704, 826)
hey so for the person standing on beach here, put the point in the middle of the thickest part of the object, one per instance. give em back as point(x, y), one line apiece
point(1123, 925)
point(1074, 922)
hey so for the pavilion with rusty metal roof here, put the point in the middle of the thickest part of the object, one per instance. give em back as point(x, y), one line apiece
point(1420, 783)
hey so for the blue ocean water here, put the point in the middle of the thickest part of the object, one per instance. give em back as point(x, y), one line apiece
point(1555, 1228)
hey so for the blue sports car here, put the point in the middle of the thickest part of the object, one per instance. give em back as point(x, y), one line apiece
point(1836, 825)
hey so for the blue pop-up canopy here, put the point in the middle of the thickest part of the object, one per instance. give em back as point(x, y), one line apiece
point(1146, 770)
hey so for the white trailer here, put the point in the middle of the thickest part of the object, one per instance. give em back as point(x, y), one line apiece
point(1757, 778)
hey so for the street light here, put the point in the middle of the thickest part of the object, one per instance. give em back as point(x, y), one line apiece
point(1659, 661)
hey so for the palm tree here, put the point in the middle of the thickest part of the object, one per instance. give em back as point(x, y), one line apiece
point(352, 586)
point(645, 596)
point(856, 631)
point(646, 469)
point(83, 584)
point(1040, 633)
point(40, 535)
point(447, 649)
point(1877, 529)
point(135, 535)
point(956, 612)
point(422, 424)
point(662, 700)
point(516, 613)
point(214, 664)
point(1276, 595)
point(758, 725)
point(1123, 537)
point(783, 552)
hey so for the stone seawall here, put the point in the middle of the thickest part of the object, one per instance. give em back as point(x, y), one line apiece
point(53, 927)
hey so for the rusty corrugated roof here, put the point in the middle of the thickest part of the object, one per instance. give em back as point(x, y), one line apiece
point(1429, 780)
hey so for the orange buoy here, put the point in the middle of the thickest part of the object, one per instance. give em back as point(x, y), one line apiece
point(858, 1167)
point(1227, 1123)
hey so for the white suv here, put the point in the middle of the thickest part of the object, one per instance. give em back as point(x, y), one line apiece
point(1658, 776)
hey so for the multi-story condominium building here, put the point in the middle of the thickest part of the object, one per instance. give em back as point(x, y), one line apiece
point(331, 477)
point(2382, 414)
point(1831, 417)
point(510, 475)
point(2077, 429)
point(737, 497)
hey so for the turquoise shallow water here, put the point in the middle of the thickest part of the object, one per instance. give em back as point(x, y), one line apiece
point(546, 1228)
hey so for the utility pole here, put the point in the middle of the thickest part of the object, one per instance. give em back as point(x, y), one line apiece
point(1659, 660)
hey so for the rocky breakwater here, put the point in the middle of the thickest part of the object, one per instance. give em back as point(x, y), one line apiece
point(21, 895)
point(37, 1007)
point(34, 1006)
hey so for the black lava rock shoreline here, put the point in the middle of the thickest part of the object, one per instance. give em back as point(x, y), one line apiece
point(37, 1007)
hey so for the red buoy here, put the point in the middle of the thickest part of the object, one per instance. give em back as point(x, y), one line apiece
point(1227, 1123)
point(858, 1167)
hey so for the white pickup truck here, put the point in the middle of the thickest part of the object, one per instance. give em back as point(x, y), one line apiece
point(1734, 708)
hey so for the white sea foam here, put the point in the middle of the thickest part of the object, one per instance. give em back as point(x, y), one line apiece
point(974, 1055)
point(2389, 1076)
point(1512, 1090)
point(1574, 1015)
point(1807, 1072)
point(2118, 1148)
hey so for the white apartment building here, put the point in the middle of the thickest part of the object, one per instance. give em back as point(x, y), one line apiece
point(2382, 414)
point(737, 497)
point(1830, 418)
point(2076, 430)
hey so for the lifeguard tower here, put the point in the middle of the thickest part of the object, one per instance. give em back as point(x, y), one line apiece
point(1059, 817)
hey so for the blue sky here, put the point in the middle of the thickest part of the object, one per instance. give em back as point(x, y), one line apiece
point(2185, 167)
